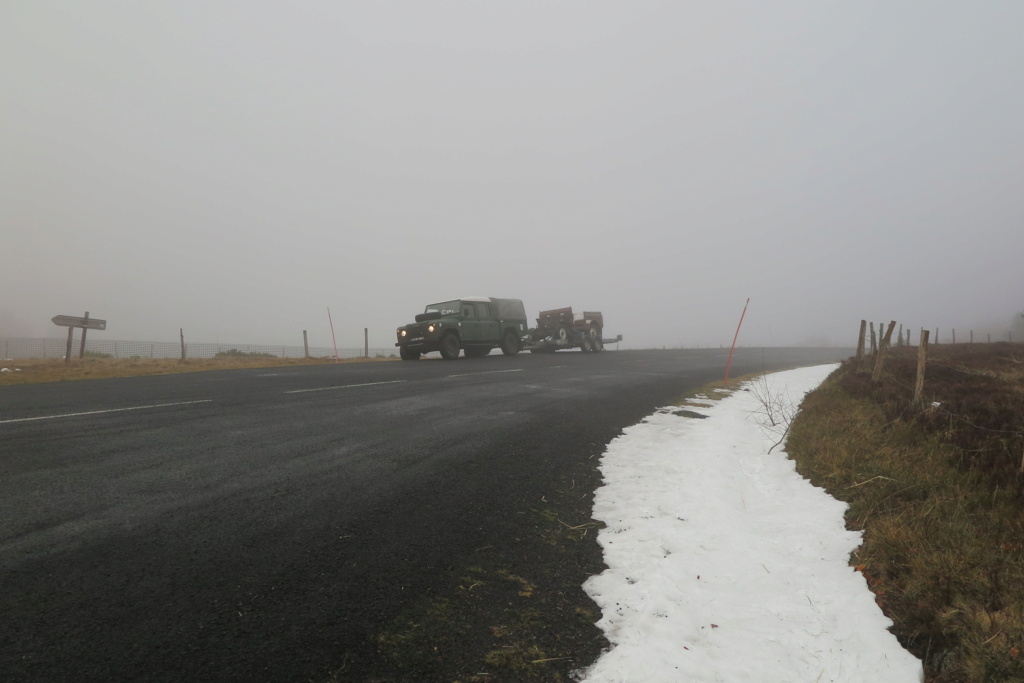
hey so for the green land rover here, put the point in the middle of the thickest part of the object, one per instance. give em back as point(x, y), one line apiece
point(474, 323)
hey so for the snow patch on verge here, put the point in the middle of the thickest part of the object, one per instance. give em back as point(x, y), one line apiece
point(724, 564)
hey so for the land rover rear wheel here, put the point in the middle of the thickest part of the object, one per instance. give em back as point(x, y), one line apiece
point(509, 344)
point(450, 346)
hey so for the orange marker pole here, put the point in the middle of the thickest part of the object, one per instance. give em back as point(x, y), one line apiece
point(735, 337)
point(332, 334)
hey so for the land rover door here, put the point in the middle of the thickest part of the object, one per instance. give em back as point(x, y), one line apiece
point(489, 328)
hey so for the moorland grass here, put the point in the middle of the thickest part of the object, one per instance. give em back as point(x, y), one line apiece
point(938, 493)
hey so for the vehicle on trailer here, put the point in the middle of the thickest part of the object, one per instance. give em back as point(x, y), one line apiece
point(472, 324)
point(560, 328)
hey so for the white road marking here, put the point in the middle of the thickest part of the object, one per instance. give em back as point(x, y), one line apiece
point(101, 412)
point(344, 386)
point(486, 372)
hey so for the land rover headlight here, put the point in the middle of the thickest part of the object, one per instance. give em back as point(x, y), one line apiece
point(402, 333)
point(431, 328)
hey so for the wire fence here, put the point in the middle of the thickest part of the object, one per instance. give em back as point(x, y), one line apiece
point(26, 347)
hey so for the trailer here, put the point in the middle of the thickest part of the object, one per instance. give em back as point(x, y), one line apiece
point(560, 329)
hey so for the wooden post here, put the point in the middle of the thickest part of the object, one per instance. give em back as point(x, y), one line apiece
point(71, 338)
point(936, 340)
point(181, 331)
point(972, 336)
point(882, 345)
point(874, 345)
point(85, 328)
point(922, 359)
point(366, 342)
point(305, 343)
point(954, 335)
point(899, 339)
point(860, 343)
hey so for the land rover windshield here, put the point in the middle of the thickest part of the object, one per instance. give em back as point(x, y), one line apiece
point(445, 308)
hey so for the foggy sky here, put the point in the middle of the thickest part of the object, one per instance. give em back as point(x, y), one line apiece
point(236, 168)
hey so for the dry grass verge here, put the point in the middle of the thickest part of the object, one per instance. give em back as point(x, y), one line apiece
point(939, 495)
point(37, 370)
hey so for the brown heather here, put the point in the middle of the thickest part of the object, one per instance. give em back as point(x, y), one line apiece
point(939, 494)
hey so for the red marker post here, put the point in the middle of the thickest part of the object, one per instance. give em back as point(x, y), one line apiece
point(333, 339)
point(735, 337)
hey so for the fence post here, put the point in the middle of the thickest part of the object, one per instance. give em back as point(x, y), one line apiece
point(305, 344)
point(181, 331)
point(366, 342)
point(899, 339)
point(860, 343)
point(874, 345)
point(954, 335)
point(922, 359)
point(882, 345)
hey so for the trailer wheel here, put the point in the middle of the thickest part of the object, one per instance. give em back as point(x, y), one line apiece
point(406, 354)
point(509, 344)
point(450, 346)
point(587, 345)
point(595, 336)
point(562, 334)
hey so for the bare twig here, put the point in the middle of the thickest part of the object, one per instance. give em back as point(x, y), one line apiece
point(868, 481)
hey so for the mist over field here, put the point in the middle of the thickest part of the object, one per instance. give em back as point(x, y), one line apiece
point(235, 168)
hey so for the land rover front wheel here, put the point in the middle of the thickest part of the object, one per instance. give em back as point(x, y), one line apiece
point(509, 344)
point(450, 346)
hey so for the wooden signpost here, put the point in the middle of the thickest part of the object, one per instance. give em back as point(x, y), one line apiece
point(71, 322)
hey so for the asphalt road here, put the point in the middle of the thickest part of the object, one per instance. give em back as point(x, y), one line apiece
point(259, 524)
